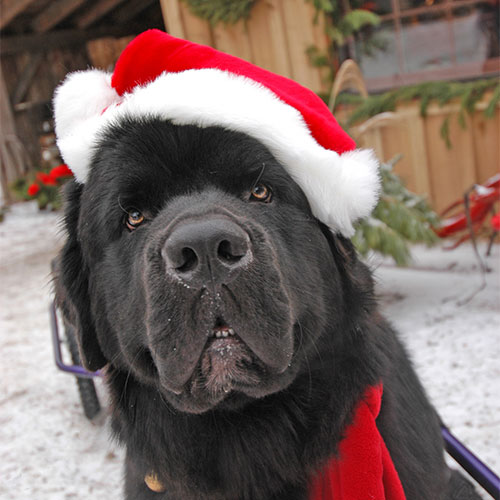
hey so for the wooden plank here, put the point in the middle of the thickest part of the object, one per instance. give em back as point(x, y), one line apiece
point(300, 36)
point(451, 171)
point(101, 52)
point(417, 154)
point(131, 9)
point(486, 132)
point(9, 9)
point(104, 52)
point(318, 28)
point(8, 167)
point(233, 39)
point(433, 169)
point(267, 37)
point(323, 43)
point(172, 17)
point(6, 113)
point(454, 107)
point(26, 77)
point(63, 38)
point(195, 29)
point(62, 61)
point(373, 140)
point(412, 144)
point(41, 88)
point(396, 140)
point(56, 12)
point(96, 12)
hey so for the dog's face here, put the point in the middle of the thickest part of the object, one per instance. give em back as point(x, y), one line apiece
point(201, 268)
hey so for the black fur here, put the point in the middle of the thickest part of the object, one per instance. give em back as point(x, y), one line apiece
point(304, 309)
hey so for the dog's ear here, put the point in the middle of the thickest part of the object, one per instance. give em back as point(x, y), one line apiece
point(72, 288)
point(357, 278)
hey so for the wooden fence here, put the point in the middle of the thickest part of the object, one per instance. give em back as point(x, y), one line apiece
point(428, 165)
point(276, 36)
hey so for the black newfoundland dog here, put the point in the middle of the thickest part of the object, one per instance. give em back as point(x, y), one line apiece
point(237, 331)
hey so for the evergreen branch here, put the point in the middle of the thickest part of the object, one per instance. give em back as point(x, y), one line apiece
point(440, 92)
point(489, 112)
point(444, 132)
point(226, 11)
point(401, 217)
point(357, 19)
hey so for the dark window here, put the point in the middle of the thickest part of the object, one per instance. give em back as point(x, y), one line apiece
point(421, 40)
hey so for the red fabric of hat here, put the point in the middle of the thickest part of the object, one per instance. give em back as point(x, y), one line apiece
point(154, 52)
point(162, 77)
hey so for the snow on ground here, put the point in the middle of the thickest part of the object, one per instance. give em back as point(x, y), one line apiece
point(51, 452)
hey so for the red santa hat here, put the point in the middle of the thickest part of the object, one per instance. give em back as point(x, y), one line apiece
point(160, 76)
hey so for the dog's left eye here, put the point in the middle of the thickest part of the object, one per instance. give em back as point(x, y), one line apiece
point(261, 192)
point(134, 219)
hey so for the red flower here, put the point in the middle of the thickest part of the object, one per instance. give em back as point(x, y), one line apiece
point(60, 171)
point(46, 179)
point(33, 189)
point(495, 222)
point(369, 6)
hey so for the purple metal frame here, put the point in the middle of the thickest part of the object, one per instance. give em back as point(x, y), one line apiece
point(78, 371)
point(471, 463)
point(460, 453)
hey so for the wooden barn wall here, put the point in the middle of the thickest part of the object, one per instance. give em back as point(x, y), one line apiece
point(30, 98)
point(275, 37)
point(104, 52)
point(28, 83)
point(428, 166)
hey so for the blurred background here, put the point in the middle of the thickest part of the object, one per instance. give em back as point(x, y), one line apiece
point(416, 80)
point(432, 62)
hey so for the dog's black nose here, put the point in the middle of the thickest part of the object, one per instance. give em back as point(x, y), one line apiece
point(207, 251)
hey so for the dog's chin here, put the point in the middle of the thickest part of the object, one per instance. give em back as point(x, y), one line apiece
point(233, 400)
point(228, 376)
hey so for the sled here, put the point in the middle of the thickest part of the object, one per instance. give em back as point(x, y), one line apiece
point(466, 217)
point(84, 379)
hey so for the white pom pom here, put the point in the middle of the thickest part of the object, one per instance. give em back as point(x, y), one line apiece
point(79, 101)
point(342, 188)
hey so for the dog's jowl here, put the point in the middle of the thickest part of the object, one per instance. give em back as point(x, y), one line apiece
point(208, 271)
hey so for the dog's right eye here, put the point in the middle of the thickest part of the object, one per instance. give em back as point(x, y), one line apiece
point(261, 192)
point(134, 219)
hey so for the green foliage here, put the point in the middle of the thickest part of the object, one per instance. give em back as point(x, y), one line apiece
point(357, 19)
point(352, 22)
point(468, 93)
point(42, 186)
point(215, 11)
point(321, 60)
point(489, 112)
point(19, 189)
point(323, 5)
point(401, 217)
point(444, 132)
point(346, 19)
point(48, 197)
point(316, 58)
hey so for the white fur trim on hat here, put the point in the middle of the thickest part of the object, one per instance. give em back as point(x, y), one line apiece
point(340, 188)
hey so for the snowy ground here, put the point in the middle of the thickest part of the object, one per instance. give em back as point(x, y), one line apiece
point(51, 452)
